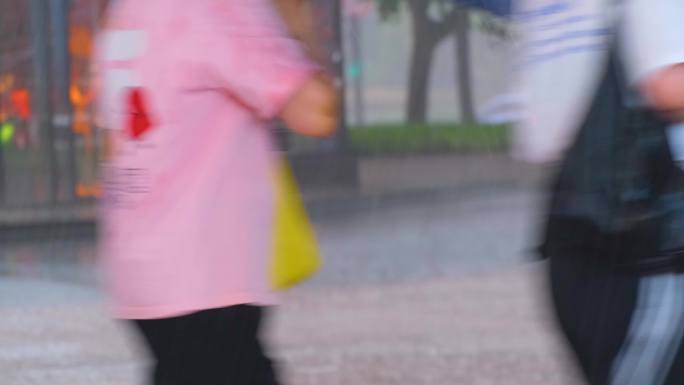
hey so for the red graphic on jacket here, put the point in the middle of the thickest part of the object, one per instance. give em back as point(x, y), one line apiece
point(139, 120)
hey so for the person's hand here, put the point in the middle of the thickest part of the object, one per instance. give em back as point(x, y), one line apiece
point(665, 91)
point(314, 109)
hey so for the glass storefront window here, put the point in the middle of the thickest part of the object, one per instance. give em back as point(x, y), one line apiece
point(23, 167)
point(49, 145)
point(84, 20)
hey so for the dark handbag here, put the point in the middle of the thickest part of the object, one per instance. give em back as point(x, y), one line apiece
point(618, 197)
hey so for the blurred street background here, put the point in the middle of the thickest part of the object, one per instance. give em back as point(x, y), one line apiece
point(426, 225)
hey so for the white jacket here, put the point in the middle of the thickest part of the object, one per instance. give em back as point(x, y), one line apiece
point(563, 48)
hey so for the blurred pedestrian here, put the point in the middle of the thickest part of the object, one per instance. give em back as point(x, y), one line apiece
point(604, 86)
point(187, 89)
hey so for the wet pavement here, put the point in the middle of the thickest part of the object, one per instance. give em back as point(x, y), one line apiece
point(438, 290)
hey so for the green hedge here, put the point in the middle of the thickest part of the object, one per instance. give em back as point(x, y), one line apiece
point(417, 138)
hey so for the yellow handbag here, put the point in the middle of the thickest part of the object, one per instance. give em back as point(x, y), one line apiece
point(296, 255)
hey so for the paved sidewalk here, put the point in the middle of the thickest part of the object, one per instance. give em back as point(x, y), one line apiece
point(432, 290)
point(489, 328)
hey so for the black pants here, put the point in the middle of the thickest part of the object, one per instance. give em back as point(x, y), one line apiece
point(625, 328)
point(212, 347)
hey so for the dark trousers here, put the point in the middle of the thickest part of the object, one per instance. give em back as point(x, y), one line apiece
point(625, 328)
point(212, 347)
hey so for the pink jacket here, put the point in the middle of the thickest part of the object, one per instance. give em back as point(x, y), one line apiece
point(188, 88)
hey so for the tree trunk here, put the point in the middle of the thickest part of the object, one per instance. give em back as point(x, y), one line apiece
point(427, 33)
point(419, 78)
point(463, 67)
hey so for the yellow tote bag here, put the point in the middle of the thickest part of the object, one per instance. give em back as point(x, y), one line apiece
point(296, 255)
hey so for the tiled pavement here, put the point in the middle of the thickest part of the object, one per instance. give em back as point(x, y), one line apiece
point(433, 293)
point(488, 328)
